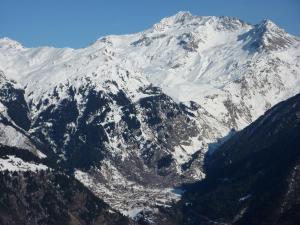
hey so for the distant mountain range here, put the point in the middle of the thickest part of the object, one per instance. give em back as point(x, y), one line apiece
point(134, 117)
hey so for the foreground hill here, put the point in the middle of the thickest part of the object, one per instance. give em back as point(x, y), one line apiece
point(34, 194)
point(254, 177)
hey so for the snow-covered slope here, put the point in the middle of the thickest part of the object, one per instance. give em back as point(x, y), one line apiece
point(14, 118)
point(142, 109)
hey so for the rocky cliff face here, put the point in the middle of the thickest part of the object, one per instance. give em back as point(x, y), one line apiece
point(132, 116)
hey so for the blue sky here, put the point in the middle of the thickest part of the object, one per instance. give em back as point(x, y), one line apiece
point(77, 23)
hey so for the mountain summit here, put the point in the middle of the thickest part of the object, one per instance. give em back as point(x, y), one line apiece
point(185, 19)
point(7, 43)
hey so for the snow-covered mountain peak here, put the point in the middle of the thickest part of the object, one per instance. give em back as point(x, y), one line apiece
point(267, 36)
point(180, 17)
point(183, 15)
point(268, 24)
point(7, 43)
point(268, 27)
point(185, 19)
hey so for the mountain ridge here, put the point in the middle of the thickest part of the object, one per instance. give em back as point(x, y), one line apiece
point(154, 100)
point(179, 17)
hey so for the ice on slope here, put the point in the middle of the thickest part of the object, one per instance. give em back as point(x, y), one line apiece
point(12, 163)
